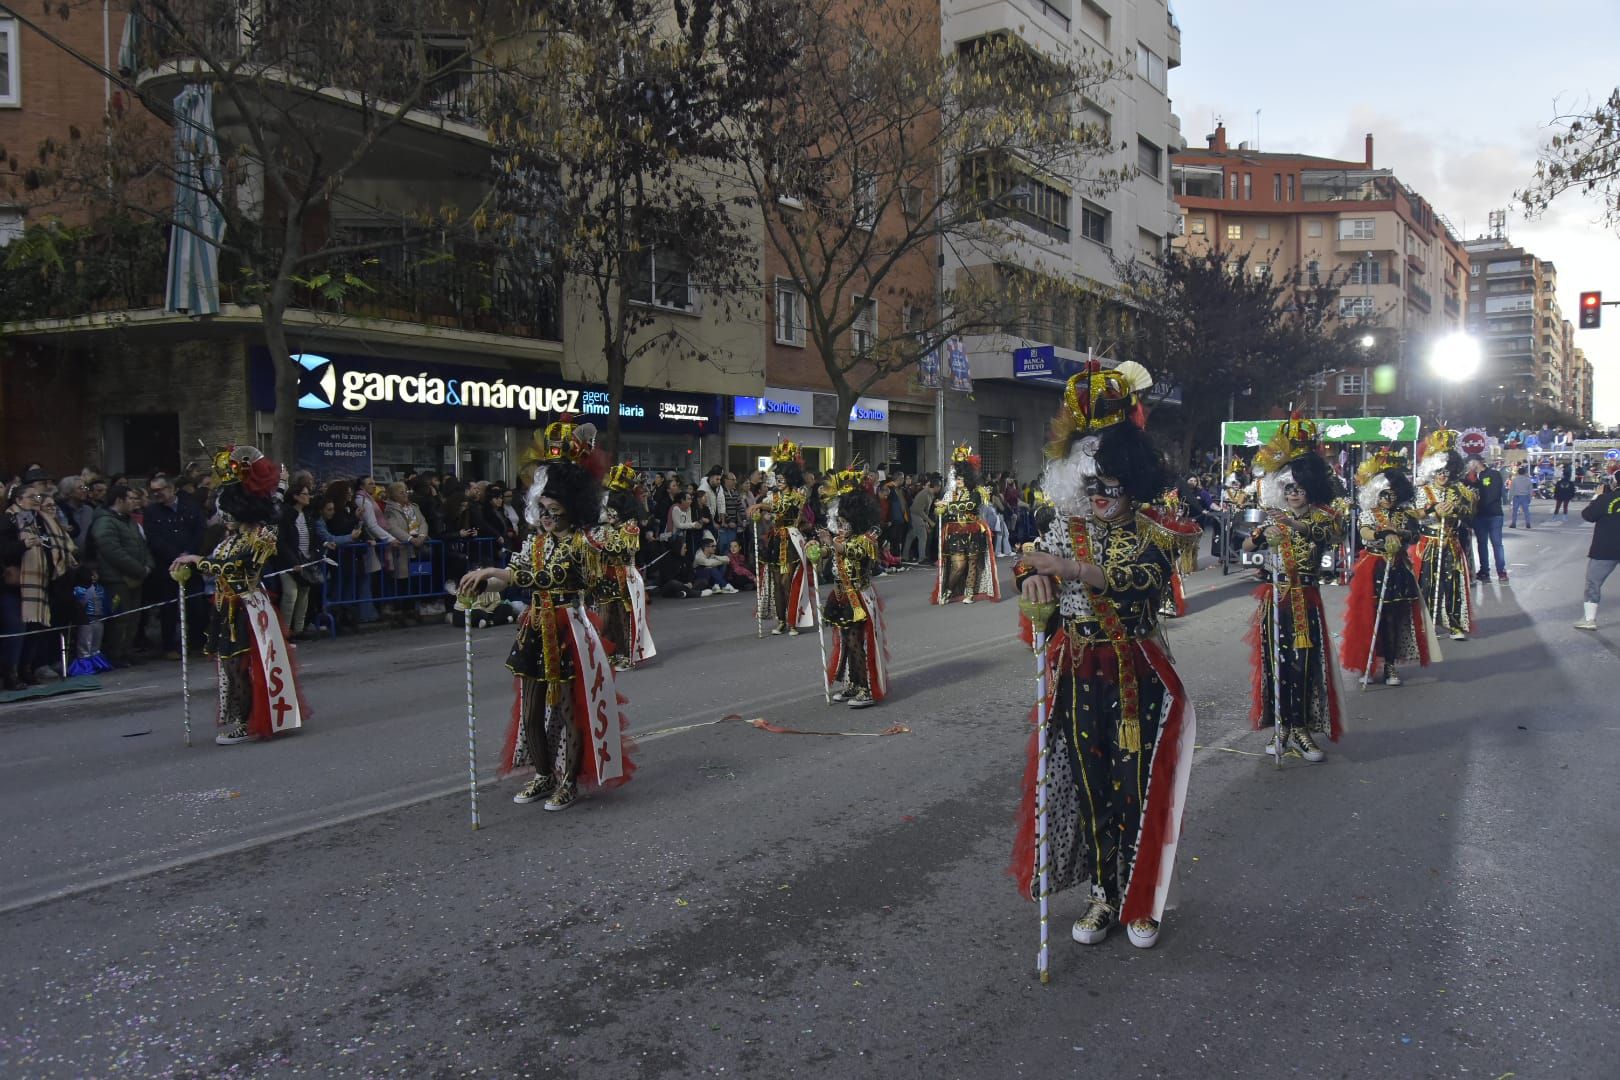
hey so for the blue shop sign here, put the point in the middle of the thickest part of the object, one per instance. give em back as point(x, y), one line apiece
point(762, 408)
point(336, 386)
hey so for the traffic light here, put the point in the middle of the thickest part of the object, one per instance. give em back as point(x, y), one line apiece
point(1591, 310)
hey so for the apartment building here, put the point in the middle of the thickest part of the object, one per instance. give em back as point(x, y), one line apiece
point(1073, 237)
point(446, 358)
point(1400, 264)
point(1531, 359)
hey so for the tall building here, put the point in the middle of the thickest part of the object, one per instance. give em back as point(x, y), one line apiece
point(1400, 263)
point(444, 357)
point(1531, 359)
point(1074, 238)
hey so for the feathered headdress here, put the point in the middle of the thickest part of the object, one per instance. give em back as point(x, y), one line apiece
point(1380, 461)
point(1098, 398)
point(1440, 452)
point(785, 451)
point(841, 482)
point(1295, 438)
point(963, 454)
point(622, 477)
point(247, 465)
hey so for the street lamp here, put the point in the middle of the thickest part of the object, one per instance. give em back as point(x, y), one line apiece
point(1454, 358)
point(1367, 343)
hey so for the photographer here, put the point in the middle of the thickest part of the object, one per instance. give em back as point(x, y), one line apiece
point(1604, 554)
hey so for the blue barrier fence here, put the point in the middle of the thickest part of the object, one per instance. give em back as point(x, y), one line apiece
point(409, 576)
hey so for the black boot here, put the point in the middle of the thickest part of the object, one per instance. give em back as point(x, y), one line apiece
point(9, 680)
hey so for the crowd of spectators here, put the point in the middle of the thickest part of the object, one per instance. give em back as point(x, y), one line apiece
point(356, 552)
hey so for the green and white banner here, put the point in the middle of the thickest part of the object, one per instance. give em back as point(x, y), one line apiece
point(1335, 429)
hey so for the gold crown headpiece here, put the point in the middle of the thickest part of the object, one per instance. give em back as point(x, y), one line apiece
point(1295, 438)
point(785, 451)
point(1098, 398)
point(246, 465)
point(1381, 460)
point(622, 477)
point(964, 452)
point(561, 440)
point(843, 481)
point(1441, 440)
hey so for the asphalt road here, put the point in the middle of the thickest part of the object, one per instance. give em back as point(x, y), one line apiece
point(1431, 901)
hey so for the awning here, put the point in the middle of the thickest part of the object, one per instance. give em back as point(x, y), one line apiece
point(193, 283)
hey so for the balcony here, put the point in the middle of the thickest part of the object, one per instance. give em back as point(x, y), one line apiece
point(1418, 295)
point(1452, 306)
point(467, 287)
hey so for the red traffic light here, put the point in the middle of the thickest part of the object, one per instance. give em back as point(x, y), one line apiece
point(1591, 310)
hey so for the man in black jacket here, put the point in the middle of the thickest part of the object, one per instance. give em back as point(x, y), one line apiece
point(1604, 554)
point(1488, 484)
point(174, 527)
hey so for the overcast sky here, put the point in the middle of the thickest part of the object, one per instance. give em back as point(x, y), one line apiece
point(1457, 95)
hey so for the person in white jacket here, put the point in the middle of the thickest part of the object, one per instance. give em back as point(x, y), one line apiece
point(709, 568)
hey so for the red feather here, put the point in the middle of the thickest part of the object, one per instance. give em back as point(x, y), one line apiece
point(261, 478)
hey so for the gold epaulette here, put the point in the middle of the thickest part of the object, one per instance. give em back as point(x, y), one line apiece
point(1169, 539)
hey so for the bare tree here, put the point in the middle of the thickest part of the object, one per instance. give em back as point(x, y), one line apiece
point(1583, 154)
point(875, 149)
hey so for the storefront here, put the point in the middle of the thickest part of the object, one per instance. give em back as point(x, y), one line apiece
point(387, 416)
point(809, 419)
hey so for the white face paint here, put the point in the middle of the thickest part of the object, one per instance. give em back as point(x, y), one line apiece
point(553, 518)
point(1108, 499)
point(1294, 496)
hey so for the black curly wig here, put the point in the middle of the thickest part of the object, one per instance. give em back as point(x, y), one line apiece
point(1311, 472)
point(245, 507)
point(966, 475)
point(1401, 484)
point(791, 472)
point(579, 492)
point(624, 504)
point(1126, 453)
point(859, 509)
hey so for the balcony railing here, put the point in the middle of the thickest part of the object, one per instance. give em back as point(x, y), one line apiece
point(465, 287)
point(1419, 295)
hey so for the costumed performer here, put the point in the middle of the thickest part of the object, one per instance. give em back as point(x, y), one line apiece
point(1444, 504)
point(967, 564)
point(1290, 627)
point(566, 721)
point(784, 579)
point(1383, 590)
point(1119, 725)
point(1174, 603)
point(258, 681)
point(860, 651)
point(621, 597)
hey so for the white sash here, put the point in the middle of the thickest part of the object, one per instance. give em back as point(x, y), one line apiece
point(273, 661)
point(636, 587)
point(601, 698)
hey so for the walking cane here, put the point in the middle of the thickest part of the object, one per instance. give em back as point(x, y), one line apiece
point(180, 577)
point(1378, 614)
point(759, 586)
point(1276, 662)
point(821, 639)
point(1038, 614)
point(465, 604)
point(1439, 569)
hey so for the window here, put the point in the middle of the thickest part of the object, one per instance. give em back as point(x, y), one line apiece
point(1096, 118)
point(10, 76)
point(863, 332)
point(11, 225)
point(1234, 232)
point(1276, 187)
point(1094, 21)
point(1237, 186)
point(1248, 187)
point(1291, 198)
point(789, 313)
point(664, 280)
point(1197, 226)
point(1148, 158)
point(1360, 228)
point(1262, 231)
point(1473, 286)
point(913, 318)
point(1350, 385)
point(1365, 272)
point(1359, 307)
point(911, 199)
point(864, 197)
point(1313, 229)
point(1149, 66)
point(1313, 273)
point(1262, 270)
point(1002, 191)
point(1474, 269)
point(1093, 223)
point(1150, 242)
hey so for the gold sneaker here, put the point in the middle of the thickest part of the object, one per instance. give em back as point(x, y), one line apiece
point(1093, 925)
point(536, 789)
point(562, 798)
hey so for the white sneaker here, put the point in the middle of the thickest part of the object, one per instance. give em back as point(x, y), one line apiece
point(235, 735)
point(729, 589)
point(1273, 747)
point(1093, 925)
point(1586, 624)
point(1144, 933)
point(1459, 635)
point(706, 592)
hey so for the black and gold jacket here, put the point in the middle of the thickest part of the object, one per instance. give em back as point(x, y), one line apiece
point(1136, 556)
point(1298, 553)
point(558, 569)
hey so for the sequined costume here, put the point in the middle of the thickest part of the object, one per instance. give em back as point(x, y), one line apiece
point(1440, 559)
point(785, 586)
point(1120, 727)
point(258, 686)
point(620, 597)
point(967, 556)
point(567, 721)
point(1309, 691)
point(859, 662)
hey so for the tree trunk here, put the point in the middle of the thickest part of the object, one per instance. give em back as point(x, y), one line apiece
point(609, 440)
point(284, 432)
point(843, 447)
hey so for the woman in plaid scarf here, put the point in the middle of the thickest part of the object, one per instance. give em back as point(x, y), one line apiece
point(37, 555)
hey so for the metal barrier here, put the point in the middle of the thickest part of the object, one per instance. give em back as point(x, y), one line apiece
point(427, 571)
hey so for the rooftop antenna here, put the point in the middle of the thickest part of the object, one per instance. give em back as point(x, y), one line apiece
point(1257, 130)
point(1498, 224)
